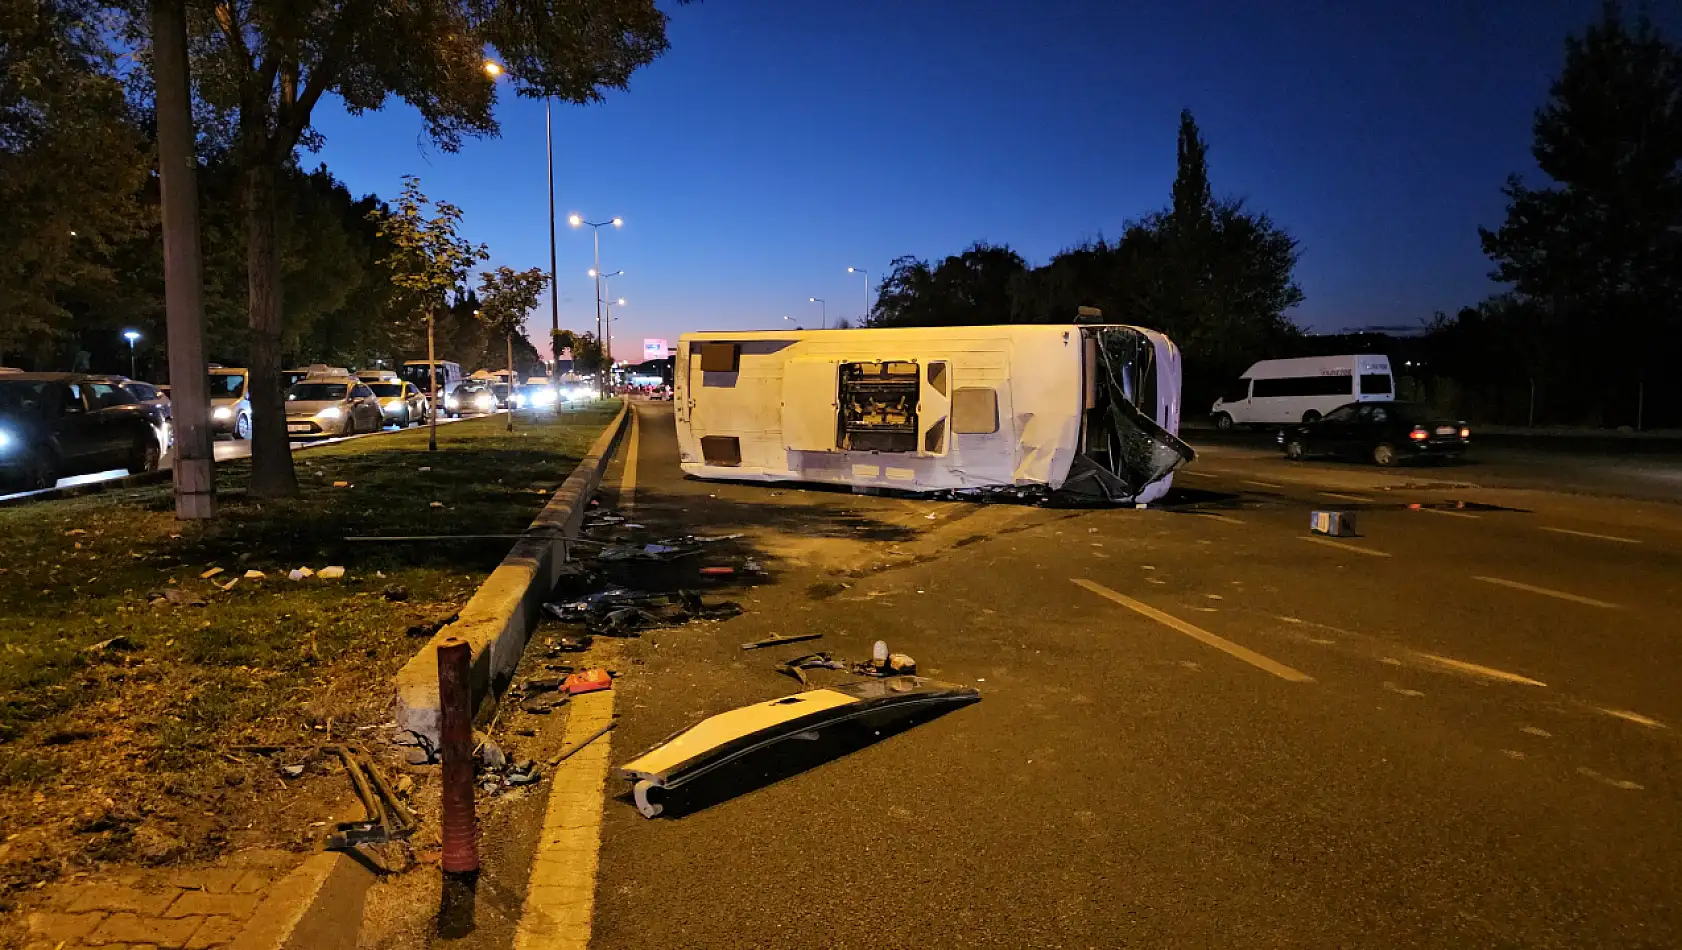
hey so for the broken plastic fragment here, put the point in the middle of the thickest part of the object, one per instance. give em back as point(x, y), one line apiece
point(332, 572)
point(300, 573)
point(254, 575)
point(207, 575)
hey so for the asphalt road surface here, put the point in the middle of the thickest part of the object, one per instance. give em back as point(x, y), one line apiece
point(1200, 726)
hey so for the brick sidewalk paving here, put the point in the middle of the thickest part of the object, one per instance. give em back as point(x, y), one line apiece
point(153, 910)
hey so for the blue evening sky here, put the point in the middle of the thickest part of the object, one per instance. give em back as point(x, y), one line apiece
point(779, 142)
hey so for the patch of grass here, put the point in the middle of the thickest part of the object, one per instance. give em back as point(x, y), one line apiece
point(266, 661)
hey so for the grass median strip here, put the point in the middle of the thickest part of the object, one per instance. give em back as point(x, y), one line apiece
point(135, 677)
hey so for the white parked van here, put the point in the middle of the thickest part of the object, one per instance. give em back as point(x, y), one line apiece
point(1281, 392)
point(1087, 410)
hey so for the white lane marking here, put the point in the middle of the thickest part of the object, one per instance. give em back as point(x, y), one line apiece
point(1392, 687)
point(1250, 481)
point(1187, 471)
point(1536, 731)
point(1590, 534)
point(1225, 518)
point(1634, 717)
point(1548, 592)
point(1196, 633)
point(1614, 782)
point(1475, 669)
point(1342, 497)
point(628, 481)
point(1347, 547)
point(1450, 514)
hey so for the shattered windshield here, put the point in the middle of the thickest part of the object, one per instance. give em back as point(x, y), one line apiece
point(1123, 436)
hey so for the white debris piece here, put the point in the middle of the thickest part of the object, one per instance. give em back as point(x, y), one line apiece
point(207, 575)
point(299, 573)
point(254, 575)
point(333, 572)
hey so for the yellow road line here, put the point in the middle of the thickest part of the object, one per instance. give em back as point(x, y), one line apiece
point(1590, 534)
point(1450, 514)
point(628, 481)
point(1634, 717)
point(561, 895)
point(1476, 670)
point(1342, 497)
point(1547, 592)
point(1347, 547)
point(1196, 633)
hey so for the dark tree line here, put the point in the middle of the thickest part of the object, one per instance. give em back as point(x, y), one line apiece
point(1212, 273)
point(1592, 324)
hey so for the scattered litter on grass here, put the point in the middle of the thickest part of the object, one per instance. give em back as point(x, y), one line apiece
point(429, 628)
point(396, 593)
point(300, 573)
point(115, 644)
point(292, 771)
point(207, 575)
point(230, 584)
point(341, 484)
point(424, 468)
point(254, 575)
point(175, 596)
point(331, 572)
point(437, 504)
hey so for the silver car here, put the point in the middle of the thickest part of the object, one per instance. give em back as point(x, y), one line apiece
point(333, 405)
point(230, 402)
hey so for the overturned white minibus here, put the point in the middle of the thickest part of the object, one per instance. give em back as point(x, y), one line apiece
point(1080, 410)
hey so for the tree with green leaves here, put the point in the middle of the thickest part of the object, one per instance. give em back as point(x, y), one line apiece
point(506, 297)
point(588, 356)
point(1599, 248)
point(264, 66)
point(73, 162)
point(430, 262)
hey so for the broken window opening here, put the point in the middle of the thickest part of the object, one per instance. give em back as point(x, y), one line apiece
point(1125, 448)
point(878, 407)
point(721, 449)
point(934, 440)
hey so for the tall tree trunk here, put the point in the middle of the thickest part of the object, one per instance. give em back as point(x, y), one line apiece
point(272, 475)
point(195, 465)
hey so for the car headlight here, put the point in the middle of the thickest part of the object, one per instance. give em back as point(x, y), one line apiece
point(223, 412)
point(5, 441)
point(483, 401)
point(331, 412)
point(392, 404)
point(452, 402)
point(543, 397)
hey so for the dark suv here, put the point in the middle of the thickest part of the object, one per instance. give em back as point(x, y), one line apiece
point(58, 424)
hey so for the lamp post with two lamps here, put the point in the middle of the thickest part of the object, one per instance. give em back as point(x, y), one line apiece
point(577, 221)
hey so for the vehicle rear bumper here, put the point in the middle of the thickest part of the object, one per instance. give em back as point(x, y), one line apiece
point(1432, 448)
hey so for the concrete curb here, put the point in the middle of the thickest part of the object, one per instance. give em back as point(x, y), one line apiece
point(500, 616)
point(316, 907)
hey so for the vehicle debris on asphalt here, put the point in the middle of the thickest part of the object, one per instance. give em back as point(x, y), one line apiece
point(621, 612)
point(729, 737)
point(779, 641)
point(1337, 524)
point(591, 680)
point(797, 666)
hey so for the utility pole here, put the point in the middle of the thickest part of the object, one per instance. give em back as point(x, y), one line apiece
point(554, 288)
point(195, 462)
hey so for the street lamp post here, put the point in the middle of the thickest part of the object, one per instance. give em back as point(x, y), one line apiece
point(577, 221)
point(494, 70)
point(823, 310)
point(860, 270)
point(133, 337)
point(605, 301)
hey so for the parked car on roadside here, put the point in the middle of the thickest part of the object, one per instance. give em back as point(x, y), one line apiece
point(331, 405)
point(54, 425)
point(157, 407)
point(1383, 433)
point(401, 403)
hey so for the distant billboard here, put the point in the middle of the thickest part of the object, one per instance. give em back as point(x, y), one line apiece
point(654, 349)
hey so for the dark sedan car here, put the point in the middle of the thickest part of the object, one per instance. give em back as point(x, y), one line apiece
point(1383, 433)
point(58, 424)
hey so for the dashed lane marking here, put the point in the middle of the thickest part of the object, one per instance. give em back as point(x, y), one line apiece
point(1548, 592)
point(1488, 672)
point(1634, 717)
point(1340, 496)
point(1196, 633)
point(1590, 534)
point(1187, 471)
point(1450, 514)
point(1328, 542)
point(1225, 518)
point(1251, 481)
point(628, 481)
point(1624, 784)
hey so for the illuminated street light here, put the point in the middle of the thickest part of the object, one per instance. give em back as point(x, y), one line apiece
point(494, 70)
point(133, 337)
point(860, 270)
point(823, 310)
point(577, 220)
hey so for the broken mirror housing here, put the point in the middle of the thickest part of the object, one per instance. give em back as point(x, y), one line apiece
point(722, 739)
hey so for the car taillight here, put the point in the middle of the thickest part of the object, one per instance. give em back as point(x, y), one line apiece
point(1419, 434)
point(1465, 433)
